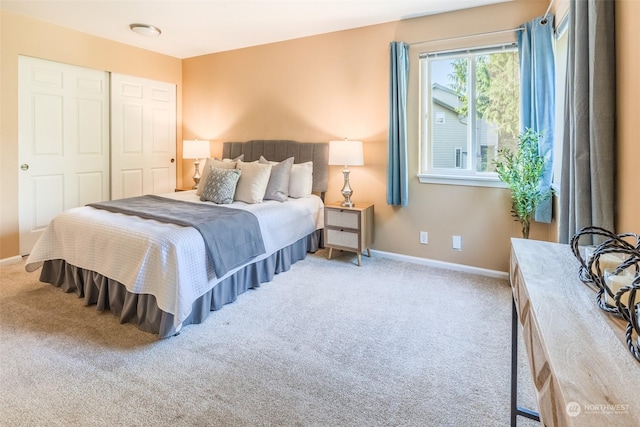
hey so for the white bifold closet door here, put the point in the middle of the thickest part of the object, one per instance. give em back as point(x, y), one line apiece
point(143, 136)
point(85, 136)
point(63, 142)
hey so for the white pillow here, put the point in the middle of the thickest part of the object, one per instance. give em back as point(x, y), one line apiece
point(220, 164)
point(301, 180)
point(253, 181)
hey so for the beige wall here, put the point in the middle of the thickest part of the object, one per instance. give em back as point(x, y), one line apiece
point(628, 112)
point(25, 36)
point(336, 85)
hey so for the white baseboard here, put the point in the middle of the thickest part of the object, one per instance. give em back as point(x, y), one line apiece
point(11, 260)
point(442, 264)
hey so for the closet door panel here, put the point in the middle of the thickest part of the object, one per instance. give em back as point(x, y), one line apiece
point(143, 132)
point(63, 142)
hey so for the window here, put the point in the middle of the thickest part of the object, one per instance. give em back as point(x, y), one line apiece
point(470, 106)
point(458, 158)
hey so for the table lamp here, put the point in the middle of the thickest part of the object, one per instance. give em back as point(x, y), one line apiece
point(196, 149)
point(346, 153)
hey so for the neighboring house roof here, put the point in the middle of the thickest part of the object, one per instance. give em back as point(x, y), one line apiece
point(437, 100)
point(444, 104)
point(443, 88)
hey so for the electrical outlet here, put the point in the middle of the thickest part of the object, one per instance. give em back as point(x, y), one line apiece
point(424, 237)
point(457, 243)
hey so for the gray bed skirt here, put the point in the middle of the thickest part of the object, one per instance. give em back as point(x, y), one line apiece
point(141, 309)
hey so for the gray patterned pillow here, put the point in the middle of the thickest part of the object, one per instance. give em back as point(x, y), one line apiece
point(215, 162)
point(220, 186)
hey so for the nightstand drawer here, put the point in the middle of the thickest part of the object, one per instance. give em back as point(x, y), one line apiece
point(344, 239)
point(342, 218)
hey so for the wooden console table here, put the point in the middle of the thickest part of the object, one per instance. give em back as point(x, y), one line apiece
point(582, 371)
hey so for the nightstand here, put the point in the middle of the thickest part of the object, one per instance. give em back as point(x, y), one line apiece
point(348, 229)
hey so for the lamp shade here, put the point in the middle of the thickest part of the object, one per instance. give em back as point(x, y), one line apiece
point(346, 153)
point(195, 149)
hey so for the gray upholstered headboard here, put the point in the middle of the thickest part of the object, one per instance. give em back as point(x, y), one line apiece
point(279, 150)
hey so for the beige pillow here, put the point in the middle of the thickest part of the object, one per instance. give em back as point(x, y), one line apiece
point(220, 164)
point(253, 181)
point(301, 180)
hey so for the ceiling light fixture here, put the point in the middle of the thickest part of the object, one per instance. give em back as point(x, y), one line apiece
point(145, 29)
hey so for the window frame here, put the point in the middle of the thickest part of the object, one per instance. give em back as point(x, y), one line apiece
point(561, 40)
point(454, 176)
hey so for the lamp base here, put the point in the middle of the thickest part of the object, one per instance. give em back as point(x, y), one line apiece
point(196, 175)
point(346, 190)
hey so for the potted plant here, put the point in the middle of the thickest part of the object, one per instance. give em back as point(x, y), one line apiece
point(521, 171)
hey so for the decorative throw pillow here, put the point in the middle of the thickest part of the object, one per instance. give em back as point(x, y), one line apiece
point(220, 164)
point(301, 180)
point(220, 185)
point(278, 186)
point(253, 182)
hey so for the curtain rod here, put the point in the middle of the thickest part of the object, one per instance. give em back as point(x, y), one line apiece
point(542, 21)
point(544, 18)
point(467, 36)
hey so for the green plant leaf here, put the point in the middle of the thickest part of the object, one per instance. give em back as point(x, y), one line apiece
point(521, 171)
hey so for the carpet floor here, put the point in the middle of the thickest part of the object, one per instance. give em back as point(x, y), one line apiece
point(325, 344)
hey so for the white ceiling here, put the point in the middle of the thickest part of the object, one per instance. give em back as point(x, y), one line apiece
point(197, 27)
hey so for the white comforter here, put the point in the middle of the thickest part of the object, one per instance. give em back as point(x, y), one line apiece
point(164, 260)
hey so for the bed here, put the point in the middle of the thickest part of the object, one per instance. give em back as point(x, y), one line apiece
point(158, 275)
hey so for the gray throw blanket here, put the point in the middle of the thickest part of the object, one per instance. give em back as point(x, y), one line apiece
point(232, 236)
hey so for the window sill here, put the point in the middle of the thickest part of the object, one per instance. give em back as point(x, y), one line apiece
point(464, 180)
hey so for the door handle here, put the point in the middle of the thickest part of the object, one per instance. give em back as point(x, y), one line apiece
point(173, 160)
point(24, 166)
